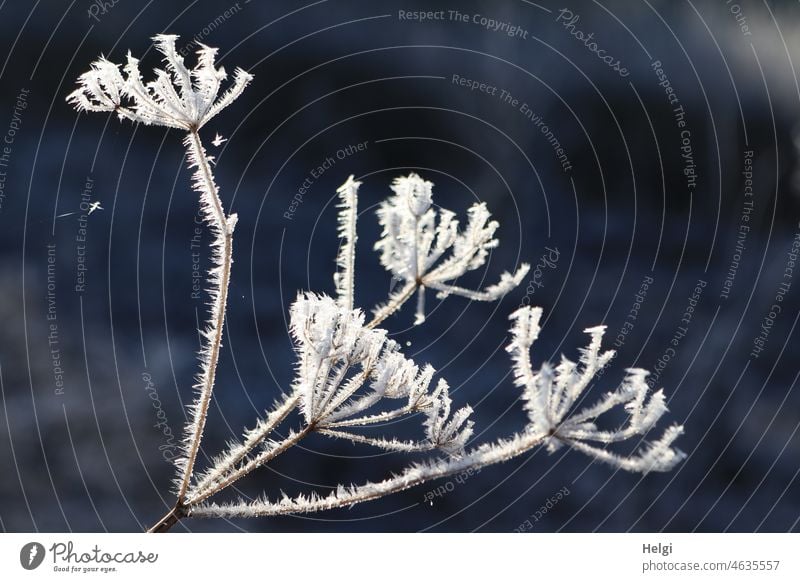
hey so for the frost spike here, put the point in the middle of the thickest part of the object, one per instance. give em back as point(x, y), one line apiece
point(348, 215)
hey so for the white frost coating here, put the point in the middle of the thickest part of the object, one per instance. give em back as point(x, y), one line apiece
point(221, 228)
point(102, 88)
point(423, 247)
point(348, 215)
point(446, 433)
point(549, 395)
point(345, 369)
point(486, 454)
point(177, 97)
point(183, 99)
point(237, 452)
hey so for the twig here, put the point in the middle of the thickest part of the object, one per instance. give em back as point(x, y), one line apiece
point(346, 497)
point(252, 440)
point(263, 458)
point(393, 305)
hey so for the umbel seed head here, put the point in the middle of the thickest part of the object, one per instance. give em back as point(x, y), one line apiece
point(178, 97)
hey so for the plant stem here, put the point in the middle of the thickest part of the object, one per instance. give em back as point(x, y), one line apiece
point(256, 437)
point(222, 229)
point(479, 458)
point(393, 305)
point(169, 519)
point(264, 457)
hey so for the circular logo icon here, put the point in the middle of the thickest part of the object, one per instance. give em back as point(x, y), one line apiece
point(31, 555)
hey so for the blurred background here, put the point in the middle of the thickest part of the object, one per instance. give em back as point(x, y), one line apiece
point(640, 155)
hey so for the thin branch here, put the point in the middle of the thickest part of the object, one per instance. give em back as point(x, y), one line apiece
point(345, 392)
point(172, 517)
point(374, 418)
point(253, 438)
point(254, 463)
point(395, 302)
point(221, 227)
point(348, 496)
point(381, 443)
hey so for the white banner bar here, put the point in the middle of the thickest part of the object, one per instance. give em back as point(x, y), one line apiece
point(399, 557)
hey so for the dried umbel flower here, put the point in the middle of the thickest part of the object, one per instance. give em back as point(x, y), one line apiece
point(338, 357)
point(102, 88)
point(423, 247)
point(178, 97)
point(550, 394)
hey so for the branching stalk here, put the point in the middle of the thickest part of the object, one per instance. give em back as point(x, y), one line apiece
point(170, 519)
point(481, 457)
point(258, 461)
point(253, 439)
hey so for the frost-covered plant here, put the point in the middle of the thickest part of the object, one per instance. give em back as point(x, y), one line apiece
point(350, 375)
point(414, 247)
point(183, 99)
point(549, 396)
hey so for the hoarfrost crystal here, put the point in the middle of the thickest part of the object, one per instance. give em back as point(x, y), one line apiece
point(550, 394)
point(178, 97)
point(422, 251)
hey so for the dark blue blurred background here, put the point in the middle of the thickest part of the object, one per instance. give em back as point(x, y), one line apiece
point(621, 211)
